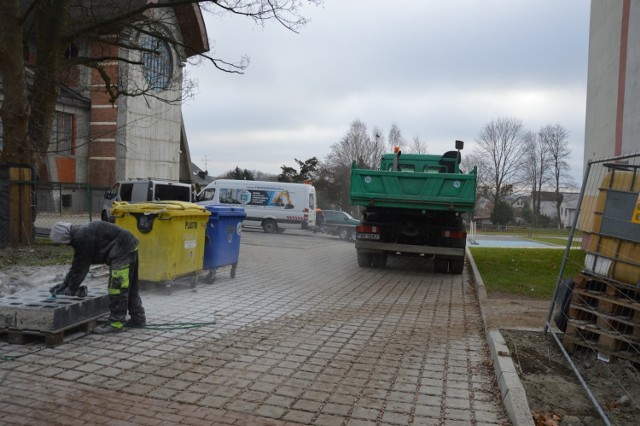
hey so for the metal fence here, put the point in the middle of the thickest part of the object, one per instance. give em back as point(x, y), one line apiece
point(51, 202)
point(597, 311)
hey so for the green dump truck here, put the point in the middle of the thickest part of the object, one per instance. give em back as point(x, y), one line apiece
point(414, 206)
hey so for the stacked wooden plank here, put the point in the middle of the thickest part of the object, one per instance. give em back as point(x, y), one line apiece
point(604, 313)
point(604, 317)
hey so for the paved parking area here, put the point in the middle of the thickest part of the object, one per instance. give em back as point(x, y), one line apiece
point(302, 335)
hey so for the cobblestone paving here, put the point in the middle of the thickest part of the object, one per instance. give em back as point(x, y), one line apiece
point(302, 336)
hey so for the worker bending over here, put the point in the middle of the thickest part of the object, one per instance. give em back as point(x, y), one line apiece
point(104, 243)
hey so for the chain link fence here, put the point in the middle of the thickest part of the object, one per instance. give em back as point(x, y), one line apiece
point(76, 203)
point(598, 311)
point(50, 202)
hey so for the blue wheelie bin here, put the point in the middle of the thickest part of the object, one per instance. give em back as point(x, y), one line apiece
point(222, 239)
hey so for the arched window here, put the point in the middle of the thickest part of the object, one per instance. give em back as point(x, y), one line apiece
point(157, 62)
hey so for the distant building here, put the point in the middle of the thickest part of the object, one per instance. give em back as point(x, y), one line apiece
point(200, 177)
point(568, 209)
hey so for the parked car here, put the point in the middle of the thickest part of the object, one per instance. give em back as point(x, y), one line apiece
point(335, 222)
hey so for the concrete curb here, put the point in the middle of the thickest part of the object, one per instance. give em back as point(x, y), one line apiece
point(513, 395)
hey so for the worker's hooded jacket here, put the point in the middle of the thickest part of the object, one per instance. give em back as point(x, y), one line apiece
point(98, 243)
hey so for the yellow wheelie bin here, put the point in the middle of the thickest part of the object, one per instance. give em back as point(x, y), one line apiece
point(171, 235)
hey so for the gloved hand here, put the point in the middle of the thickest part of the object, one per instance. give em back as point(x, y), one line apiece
point(82, 291)
point(58, 288)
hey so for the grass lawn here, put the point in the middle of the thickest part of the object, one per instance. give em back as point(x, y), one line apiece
point(41, 253)
point(527, 272)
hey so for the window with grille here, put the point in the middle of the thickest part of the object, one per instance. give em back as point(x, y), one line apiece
point(157, 62)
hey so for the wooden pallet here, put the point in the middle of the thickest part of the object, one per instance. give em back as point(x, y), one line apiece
point(50, 338)
point(601, 342)
point(604, 316)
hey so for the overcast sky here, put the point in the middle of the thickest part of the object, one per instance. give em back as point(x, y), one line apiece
point(440, 70)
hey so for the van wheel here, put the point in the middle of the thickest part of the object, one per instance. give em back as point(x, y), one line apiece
point(270, 226)
point(343, 233)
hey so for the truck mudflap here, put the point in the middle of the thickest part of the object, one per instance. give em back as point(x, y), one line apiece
point(377, 247)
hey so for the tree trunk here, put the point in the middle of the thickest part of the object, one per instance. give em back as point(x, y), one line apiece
point(17, 149)
point(51, 21)
point(15, 106)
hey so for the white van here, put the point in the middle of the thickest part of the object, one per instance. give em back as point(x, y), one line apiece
point(143, 190)
point(273, 205)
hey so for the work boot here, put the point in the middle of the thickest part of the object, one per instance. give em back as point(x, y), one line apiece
point(136, 322)
point(108, 328)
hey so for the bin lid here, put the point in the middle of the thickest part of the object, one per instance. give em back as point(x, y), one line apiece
point(219, 210)
point(170, 208)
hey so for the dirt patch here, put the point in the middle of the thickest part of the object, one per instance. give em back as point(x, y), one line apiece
point(554, 393)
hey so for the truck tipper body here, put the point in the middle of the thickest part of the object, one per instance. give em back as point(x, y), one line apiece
point(414, 205)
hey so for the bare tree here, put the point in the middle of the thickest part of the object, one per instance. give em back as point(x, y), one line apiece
point(555, 139)
point(417, 146)
point(469, 161)
point(357, 147)
point(502, 144)
point(536, 170)
point(395, 137)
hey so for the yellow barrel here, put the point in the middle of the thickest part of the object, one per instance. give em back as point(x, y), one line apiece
point(171, 234)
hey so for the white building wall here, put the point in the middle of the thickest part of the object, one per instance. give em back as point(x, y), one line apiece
point(606, 25)
point(602, 81)
point(631, 117)
point(149, 129)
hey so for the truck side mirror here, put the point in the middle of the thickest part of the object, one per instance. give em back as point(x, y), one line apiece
point(459, 144)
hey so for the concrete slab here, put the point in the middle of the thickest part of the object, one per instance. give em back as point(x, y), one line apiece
point(35, 311)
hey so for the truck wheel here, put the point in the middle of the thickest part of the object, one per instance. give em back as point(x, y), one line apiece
point(440, 266)
point(379, 260)
point(364, 260)
point(270, 226)
point(343, 233)
point(456, 266)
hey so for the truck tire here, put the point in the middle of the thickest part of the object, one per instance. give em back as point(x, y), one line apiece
point(379, 260)
point(440, 266)
point(456, 266)
point(270, 226)
point(344, 233)
point(364, 260)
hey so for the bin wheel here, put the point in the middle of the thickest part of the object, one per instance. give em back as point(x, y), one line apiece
point(194, 281)
point(233, 270)
point(169, 286)
point(211, 277)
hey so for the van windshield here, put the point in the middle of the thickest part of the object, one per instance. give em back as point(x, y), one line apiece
point(166, 192)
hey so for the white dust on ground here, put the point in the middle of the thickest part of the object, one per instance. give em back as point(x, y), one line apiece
point(24, 278)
